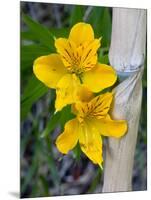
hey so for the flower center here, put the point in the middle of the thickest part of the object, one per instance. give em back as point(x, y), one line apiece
point(96, 108)
point(73, 59)
point(78, 59)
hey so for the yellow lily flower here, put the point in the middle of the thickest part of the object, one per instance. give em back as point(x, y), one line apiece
point(74, 64)
point(92, 120)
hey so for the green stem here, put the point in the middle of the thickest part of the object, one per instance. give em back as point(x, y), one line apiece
point(80, 78)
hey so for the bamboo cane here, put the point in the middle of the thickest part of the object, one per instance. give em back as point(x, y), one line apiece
point(126, 55)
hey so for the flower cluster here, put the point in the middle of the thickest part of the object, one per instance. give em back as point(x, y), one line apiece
point(76, 74)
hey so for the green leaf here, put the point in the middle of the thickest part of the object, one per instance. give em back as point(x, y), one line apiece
point(77, 152)
point(52, 123)
point(95, 19)
point(55, 32)
point(144, 80)
point(53, 170)
point(31, 171)
point(106, 26)
point(104, 59)
point(59, 32)
point(103, 55)
point(41, 33)
point(51, 163)
point(24, 141)
point(66, 115)
point(45, 185)
point(61, 117)
point(95, 181)
point(100, 19)
point(33, 91)
point(28, 35)
point(77, 14)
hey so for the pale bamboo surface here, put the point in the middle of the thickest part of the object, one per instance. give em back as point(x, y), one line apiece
point(126, 55)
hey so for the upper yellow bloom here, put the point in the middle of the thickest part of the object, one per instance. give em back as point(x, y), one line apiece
point(91, 122)
point(74, 64)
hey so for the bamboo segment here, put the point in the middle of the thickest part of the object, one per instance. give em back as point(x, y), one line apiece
point(128, 40)
point(127, 57)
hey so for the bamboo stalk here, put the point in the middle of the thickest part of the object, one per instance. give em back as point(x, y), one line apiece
point(126, 55)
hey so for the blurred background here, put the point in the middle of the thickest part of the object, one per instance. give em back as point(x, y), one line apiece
point(44, 171)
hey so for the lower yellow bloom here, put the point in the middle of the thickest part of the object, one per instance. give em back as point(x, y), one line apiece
point(92, 120)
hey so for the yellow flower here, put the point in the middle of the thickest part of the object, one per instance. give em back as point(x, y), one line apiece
point(92, 120)
point(74, 64)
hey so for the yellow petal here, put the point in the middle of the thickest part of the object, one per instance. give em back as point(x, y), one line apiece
point(49, 69)
point(80, 33)
point(66, 49)
point(111, 128)
point(91, 142)
point(89, 55)
point(100, 77)
point(100, 105)
point(97, 108)
point(66, 92)
point(84, 94)
point(68, 139)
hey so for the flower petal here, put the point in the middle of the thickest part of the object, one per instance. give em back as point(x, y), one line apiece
point(109, 127)
point(84, 94)
point(69, 138)
point(97, 108)
point(49, 69)
point(100, 77)
point(100, 105)
point(66, 49)
point(80, 33)
point(89, 55)
point(91, 142)
point(66, 92)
